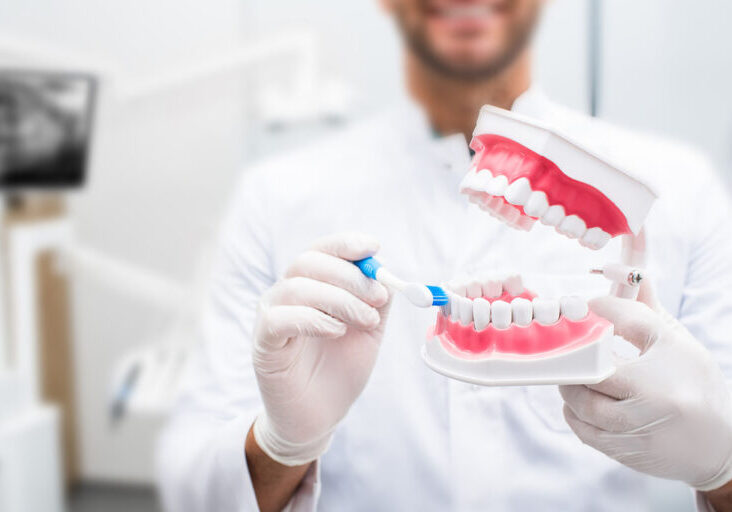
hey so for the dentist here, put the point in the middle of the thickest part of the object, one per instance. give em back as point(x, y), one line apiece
point(309, 391)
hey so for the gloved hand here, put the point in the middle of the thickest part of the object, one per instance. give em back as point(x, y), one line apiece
point(667, 413)
point(316, 340)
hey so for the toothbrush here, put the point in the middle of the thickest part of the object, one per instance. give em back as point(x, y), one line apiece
point(420, 295)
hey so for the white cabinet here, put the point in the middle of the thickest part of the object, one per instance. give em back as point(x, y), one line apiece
point(30, 462)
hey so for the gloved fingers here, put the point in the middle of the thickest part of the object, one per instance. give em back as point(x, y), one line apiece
point(620, 385)
point(277, 324)
point(595, 408)
point(588, 434)
point(348, 246)
point(619, 446)
point(341, 273)
point(334, 301)
point(647, 295)
point(634, 321)
point(384, 313)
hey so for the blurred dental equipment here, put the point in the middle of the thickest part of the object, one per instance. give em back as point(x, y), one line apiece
point(626, 279)
point(146, 380)
point(619, 273)
point(45, 127)
point(422, 296)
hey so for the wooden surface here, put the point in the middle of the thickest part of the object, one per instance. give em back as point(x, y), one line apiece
point(56, 355)
point(54, 326)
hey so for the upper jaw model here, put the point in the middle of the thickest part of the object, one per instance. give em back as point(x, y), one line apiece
point(524, 171)
point(495, 331)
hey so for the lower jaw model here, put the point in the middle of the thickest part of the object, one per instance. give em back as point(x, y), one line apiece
point(495, 331)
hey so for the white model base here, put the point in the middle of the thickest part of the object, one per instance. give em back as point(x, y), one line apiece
point(588, 364)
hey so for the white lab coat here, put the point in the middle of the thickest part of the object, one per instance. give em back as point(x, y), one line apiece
point(414, 440)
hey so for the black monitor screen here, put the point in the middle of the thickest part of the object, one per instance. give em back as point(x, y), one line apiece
point(45, 128)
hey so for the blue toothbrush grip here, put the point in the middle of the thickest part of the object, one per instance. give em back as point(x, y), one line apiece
point(368, 266)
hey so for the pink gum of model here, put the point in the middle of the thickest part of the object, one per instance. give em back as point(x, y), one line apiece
point(535, 339)
point(509, 158)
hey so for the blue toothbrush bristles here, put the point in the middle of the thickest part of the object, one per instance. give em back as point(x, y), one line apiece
point(439, 296)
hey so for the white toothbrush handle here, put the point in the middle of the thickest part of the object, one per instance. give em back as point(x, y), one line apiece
point(372, 268)
point(390, 280)
point(419, 295)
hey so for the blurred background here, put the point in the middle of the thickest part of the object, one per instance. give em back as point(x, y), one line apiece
point(136, 118)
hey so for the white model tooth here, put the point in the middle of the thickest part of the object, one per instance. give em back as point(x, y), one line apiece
point(596, 238)
point(572, 226)
point(481, 313)
point(452, 307)
point(604, 239)
point(482, 179)
point(591, 237)
point(553, 216)
point(474, 289)
point(518, 192)
point(537, 204)
point(497, 185)
point(501, 314)
point(467, 185)
point(458, 286)
point(521, 311)
point(546, 311)
point(492, 288)
point(454, 302)
point(466, 310)
point(573, 307)
point(514, 285)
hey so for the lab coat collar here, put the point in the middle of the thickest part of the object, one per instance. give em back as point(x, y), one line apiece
point(451, 151)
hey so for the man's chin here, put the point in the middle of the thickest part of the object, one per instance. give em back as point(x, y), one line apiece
point(467, 66)
point(472, 58)
point(467, 56)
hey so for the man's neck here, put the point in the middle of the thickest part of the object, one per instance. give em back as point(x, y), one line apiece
point(452, 105)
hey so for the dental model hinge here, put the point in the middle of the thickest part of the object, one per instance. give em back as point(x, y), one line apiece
point(626, 279)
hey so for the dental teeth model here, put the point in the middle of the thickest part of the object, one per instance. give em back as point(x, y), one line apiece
point(496, 332)
point(504, 334)
point(524, 171)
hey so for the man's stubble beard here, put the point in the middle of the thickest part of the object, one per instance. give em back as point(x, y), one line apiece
point(419, 45)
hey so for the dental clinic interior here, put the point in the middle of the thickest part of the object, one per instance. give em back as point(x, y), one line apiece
point(158, 107)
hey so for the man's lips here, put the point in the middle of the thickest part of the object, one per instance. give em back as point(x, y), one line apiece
point(464, 10)
point(460, 12)
point(464, 16)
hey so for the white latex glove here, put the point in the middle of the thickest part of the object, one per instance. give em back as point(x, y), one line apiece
point(667, 413)
point(316, 340)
